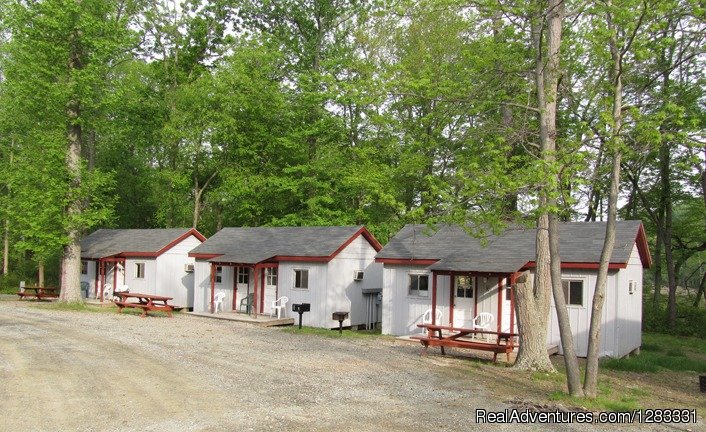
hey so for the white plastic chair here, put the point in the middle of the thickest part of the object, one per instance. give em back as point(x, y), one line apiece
point(107, 292)
point(218, 301)
point(482, 321)
point(118, 289)
point(426, 318)
point(279, 305)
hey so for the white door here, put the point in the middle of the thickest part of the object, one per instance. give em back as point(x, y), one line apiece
point(270, 288)
point(464, 301)
point(243, 288)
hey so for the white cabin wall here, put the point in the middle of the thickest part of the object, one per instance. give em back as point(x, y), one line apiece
point(487, 293)
point(90, 277)
point(145, 285)
point(628, 335)
point(580, 316)
point(402, 312)
point(202, 286)
point(346, 294)
point(172, 280)
point(316, 295)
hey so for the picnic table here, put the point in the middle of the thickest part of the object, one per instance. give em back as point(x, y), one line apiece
point(458, 337)
point(38, 292)
point(146, 302)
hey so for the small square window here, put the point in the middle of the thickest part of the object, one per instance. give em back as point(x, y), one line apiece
point(84, 267)
point(419, 285)
point(508, 293)
point(573, 292)
point(301, 279)
point(271, 276)
point(219, 274)
point(243, 275)
point(139, 270)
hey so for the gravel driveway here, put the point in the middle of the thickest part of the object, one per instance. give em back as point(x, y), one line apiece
point(103, 372)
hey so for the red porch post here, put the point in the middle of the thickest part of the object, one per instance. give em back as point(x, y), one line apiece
point(452, 286)
point(102, 279)
point(512, 303)
point(254, 300)
point(262, 290)
point(213, 286)
point(475, 297)
point(95, 285)
point(235, 286)
point(500, 303)
point(433, 298)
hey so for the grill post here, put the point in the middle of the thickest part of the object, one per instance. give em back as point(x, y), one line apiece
point(340, 317)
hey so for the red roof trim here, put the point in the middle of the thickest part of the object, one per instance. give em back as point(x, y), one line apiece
point(643, 248)
point(405, 261)
point(580, 265)
point(365, 233)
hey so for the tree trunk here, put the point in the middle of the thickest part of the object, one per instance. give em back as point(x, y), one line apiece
point(590, 386)
point(40, 273)
point(700, 293)
point(71, 259)
point(532, 309)
point(658, 270)
point(6, 249)
point(666, 205)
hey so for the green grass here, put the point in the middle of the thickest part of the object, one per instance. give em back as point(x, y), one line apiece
point(352, 334)
point(664, 352)
point(605, 401)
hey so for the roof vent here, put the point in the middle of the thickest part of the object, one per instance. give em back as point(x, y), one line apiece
point(358, 275)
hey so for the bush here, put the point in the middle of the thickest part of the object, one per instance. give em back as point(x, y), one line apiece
point(691, 321)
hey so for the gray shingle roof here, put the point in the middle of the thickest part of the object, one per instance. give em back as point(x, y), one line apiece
point(109, 242)
point(251, 245)
point(456, 250)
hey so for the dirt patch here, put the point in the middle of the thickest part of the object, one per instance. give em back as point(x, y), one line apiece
point(62, 370)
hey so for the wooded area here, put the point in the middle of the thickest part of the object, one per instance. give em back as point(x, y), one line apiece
point(156, 113)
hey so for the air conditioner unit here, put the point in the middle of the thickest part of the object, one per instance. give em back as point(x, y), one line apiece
point(632, 287)
point(358, 275)
point(188, 268)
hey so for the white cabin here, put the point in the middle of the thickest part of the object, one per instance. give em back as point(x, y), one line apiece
point(148, 261)
point(449, 271)
point(333, 269)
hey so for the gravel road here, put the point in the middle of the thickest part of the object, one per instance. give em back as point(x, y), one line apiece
point(108, 372)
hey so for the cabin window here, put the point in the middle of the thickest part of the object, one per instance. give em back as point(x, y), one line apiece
point(271, 275)
point(419, 285)
point(84, 267)
point(573, 292)
point(139, 270)
point(243, 275)
point(508, 293)
point(301, 279)
point(464, 287)
point(219, 274)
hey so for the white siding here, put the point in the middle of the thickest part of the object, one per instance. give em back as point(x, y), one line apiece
point(628, 321)
point(401, 312)
point(202, 287)
point(171, 279)
point(90, 277)
point(316, 295)
point(145, 285)
point(344, 293)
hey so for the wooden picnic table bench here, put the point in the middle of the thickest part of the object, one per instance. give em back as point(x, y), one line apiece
point(146, 302)
point(457, 337)
point(38, 293)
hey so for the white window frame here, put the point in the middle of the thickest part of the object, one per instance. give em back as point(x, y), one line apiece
point(140, 270)
point(294, 279)
point(243, 274)
point(271, 276)
point(567, 294)
point(219, 274)
point(416, 292)
point(471, 288)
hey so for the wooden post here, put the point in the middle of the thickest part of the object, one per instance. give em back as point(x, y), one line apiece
point(262, 290)
point(512, 303)
point(102, 279)
point(500, 303)
point(452, 285)
point(433, 298)
point(115, 275)
point(254, 300)
point(213, 287)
